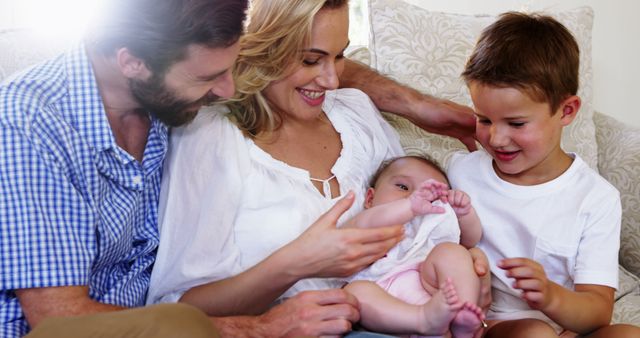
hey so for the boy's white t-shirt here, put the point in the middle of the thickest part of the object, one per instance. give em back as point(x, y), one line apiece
point(570, 225)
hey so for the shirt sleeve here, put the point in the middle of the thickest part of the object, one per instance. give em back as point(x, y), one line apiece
point(46, 226)
point(597, 258)
point(200, 195)
point(369, 118)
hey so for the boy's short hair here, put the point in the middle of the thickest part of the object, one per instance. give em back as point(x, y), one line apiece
point(385, 164)
point(531, 52)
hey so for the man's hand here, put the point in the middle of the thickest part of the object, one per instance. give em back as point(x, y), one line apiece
point(313, 313)
point(41, 303)
point(308, 314)
point(446, 118)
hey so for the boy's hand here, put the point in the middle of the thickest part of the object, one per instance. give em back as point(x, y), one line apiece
point(529, 277)
point(428, 191)
point(459, 201)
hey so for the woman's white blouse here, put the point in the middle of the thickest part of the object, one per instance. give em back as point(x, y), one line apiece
point(225, 204)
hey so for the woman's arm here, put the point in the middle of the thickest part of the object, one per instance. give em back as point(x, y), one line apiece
point(321, 251)
point(429, 113)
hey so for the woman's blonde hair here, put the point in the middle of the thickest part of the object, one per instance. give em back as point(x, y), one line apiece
point(276, 33)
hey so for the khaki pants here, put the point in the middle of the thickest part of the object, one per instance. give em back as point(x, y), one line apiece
point(158, 321)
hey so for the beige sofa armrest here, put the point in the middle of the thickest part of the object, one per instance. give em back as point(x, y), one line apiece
point(619, 163)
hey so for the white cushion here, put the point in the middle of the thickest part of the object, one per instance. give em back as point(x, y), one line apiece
point(428, 50)
point(20, 48)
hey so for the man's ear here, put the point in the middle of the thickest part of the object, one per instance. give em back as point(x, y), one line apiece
point(569, 109)
point(368, 198)
point(131, 66)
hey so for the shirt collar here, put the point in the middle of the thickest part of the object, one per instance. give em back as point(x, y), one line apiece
point(85, 102)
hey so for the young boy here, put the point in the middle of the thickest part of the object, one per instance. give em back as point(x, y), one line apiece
point(551, 223)
point(403, 292)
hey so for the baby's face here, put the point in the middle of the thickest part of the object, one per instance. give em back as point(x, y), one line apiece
point(400, 179)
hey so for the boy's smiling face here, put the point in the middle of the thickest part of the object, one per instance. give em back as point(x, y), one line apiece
point(522, 135)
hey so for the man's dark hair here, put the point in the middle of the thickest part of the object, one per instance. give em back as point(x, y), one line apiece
point(159, 31)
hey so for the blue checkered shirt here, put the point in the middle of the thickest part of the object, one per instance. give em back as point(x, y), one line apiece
point(75, 209)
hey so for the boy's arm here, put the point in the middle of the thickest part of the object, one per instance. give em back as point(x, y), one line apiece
point(431, 114)
point(584, 310)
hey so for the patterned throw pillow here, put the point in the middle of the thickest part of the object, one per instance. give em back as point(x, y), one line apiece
point(428, 50)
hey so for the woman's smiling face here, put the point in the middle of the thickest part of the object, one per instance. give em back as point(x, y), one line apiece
point(300, 94)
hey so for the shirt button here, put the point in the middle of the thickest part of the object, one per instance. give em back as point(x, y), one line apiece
point(137, 180)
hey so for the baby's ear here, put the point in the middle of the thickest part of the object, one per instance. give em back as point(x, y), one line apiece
point(569, 109)
point(368, 198)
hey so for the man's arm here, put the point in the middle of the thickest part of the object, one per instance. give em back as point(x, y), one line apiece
point(310, 313)
point(429, 113)
point(40, 303)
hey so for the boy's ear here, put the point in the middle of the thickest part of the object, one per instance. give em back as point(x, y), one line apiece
point(130, 65)
point(368, 198)
point(569, 109)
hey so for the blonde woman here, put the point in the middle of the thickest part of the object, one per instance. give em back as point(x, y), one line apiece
point(252, 190)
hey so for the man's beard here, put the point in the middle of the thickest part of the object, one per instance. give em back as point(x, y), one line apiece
point(154, 96)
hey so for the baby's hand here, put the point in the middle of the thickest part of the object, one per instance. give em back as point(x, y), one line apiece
point(421, 199)
point(459, 201)
point(531, 279)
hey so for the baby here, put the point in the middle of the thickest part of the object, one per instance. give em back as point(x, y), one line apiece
point(427, 283)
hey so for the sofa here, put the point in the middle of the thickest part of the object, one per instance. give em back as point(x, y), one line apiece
point(427, 50)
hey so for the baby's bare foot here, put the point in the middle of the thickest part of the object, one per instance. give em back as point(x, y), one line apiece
point(440, 310)
point(467, 321)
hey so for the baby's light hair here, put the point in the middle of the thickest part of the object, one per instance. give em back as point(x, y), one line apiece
point(424, 158)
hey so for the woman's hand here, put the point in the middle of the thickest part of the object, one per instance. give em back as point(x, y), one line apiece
point(326, 251)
